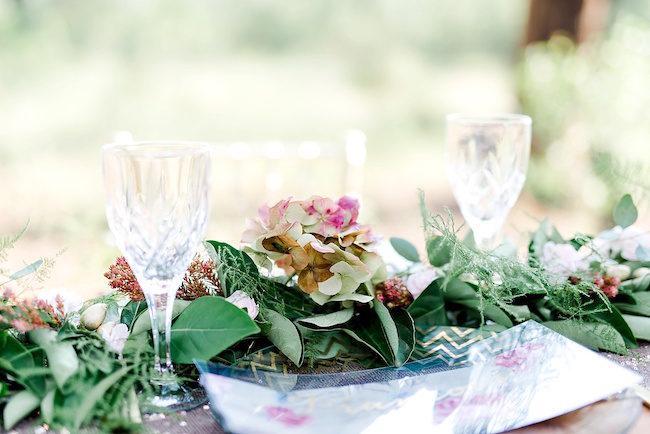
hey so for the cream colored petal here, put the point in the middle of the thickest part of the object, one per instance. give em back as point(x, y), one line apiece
point(331, 286)
point(305, 239)
point(295, 213)
point(359, 273)
point(295, 231)
point(319, 297)
point(348, 285)
point(353, 297)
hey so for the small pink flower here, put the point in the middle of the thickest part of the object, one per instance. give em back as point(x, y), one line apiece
point(351, 206)
point(286, 416)
point(420, 280)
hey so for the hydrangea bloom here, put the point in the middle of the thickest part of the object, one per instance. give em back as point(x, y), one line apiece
point(562, 260)
point(321, 242)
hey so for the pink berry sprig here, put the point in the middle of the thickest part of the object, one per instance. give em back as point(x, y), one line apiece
point(393, 293)
point(608, 284)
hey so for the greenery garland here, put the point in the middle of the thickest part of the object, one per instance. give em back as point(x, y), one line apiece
point(92, 366)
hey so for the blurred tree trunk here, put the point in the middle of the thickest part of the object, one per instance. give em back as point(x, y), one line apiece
point(579, 20)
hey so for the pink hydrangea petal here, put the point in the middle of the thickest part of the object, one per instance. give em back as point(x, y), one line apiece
point(321, 248)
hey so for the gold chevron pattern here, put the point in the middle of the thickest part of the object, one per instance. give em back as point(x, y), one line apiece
point(448, 344)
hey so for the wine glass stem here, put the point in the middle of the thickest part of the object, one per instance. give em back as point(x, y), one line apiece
point(485, 242)
point(160, 310)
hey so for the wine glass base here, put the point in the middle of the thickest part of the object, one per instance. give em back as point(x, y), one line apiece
point(173, 398)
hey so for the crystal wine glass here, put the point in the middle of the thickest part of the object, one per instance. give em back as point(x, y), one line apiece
point(157, 208)
point(487, 160)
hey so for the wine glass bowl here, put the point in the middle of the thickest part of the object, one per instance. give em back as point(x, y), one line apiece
point(157, 209)
point(487, 160)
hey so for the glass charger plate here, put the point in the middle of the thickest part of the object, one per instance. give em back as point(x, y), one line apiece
point(520, 377)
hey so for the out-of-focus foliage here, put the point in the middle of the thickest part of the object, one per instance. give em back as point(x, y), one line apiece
point(73, 72)
point(591, 106)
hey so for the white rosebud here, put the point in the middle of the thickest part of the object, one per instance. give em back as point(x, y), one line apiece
point(420, 280)
point(115, 335)
point(107, 327)
point(640, 272)
point(619, 270)
point(94, 316)
point(244, 301)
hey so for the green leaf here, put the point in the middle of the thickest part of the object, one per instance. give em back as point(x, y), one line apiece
point(143, 321)
point(406, 333)
point(95, 394)
point(538, 239)
point(438, 251)
point(16, 358)
point(283, 334)
point(61, 356)
point(490, 311)
point(625, 213)
point(640, 326)
point(405, 249)
point(457, 290)
point(388, 326)
point(131, 311)
point(642, 253)
point(598, 336)
point(31, 268)
point(225, 255)
point(208, 326)
point(329, 320)
point(641, 307)
point(614, 318)
point(429, 308)
point(462, 293)
point(47, 407)
point(19, 406)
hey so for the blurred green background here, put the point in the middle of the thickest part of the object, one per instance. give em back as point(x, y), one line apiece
point(73, 73)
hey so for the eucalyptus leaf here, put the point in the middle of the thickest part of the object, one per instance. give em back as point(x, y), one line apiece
point(598, 336)
point(405, 249)
point(642, 253)
point(625, 213)
point(208, 326)
point(283, 334)
point(329, 320)
point(26, 271)
point(438, 251)
point(428, 309)
point(18, 407)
